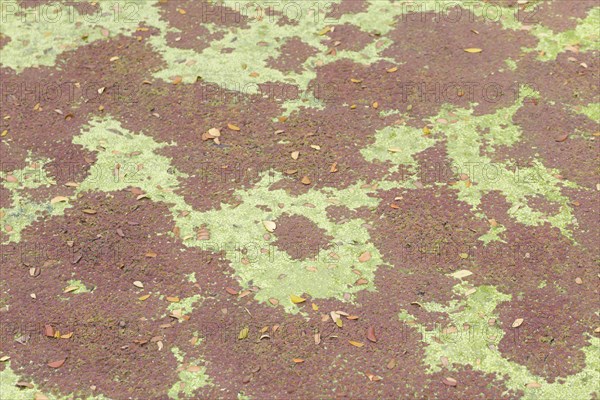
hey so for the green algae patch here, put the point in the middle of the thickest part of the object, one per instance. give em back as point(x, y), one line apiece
point(41, 34)
point(398, 144)
point(251, 47)
point(476, 346)
point(125, 160)
point(240, 228)
point(9, 390)
point(24, 210)
point(240, 233)
point(191, 376)
point(592, 111)
point(186, 305)
point(470, 142)
point(585, 37)
point(81, 288)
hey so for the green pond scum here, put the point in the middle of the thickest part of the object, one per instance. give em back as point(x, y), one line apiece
point(520, 173)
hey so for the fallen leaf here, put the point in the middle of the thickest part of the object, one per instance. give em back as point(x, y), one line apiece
point(295, 154)
point(533, 385)
point(297, 299)
point(67, 335)
point(151, 254)
point(375, 105)
point(273, 301)
point(89, 211)
point(176, 80)
point(305, 180)
point(231, 291)
point(4, 358)
point(243, 333)
point(298, 360)
point(361, 281)
point(562, 138)
point(173, 299)
point(354, 80)
point(69, 289)
point(463, 273)
point(449, 381)
point(48, 330)
point(57, 364)
point(578, 281)
point(233, 127)
point(371, 334)
point(473, 50)
point(333, 168)
point(357, 344)
point(144, 297)
point(364, 257)
point(393, 69)
point(270, 225)
point(517, 322)
point(40, 396)
point(315, 307)
point(138, 284)
point(23, 384)
point(58, 199)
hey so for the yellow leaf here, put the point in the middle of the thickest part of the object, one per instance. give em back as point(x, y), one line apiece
point(517, 322)
point(67, 335)
point(324, 30)
point(339, 322)
point(173, 299)
point(4, 132)
point(353, 80)
point(144, 297)
point(233, 127)
point(357, 344)
point(270, 225)
point(297, 299)
point(243, 333)
point(390, 70)
point(69, 289)
point(315, 307)
point(473, 50)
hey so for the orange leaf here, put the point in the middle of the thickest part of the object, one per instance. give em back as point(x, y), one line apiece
point(57, 364)
point(371, 334)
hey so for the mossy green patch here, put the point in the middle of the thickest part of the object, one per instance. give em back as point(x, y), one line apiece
point(234, 229)
point(592, 111)
point(41, 33)
point(81, 288)
point(24, 210)
point(9, 390)
point(469, 139)
point(477, 347)
point(191, 376)
point(585, 37)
